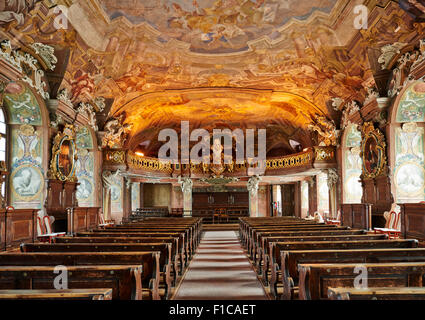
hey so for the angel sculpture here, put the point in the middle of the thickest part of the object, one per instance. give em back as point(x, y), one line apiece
point(116, 132)
point(328, 135)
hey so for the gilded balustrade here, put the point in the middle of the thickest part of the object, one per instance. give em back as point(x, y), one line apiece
point(307, 157)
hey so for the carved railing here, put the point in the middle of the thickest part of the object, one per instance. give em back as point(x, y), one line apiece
point(303, 159)
point(296, 160)
point(151, 164)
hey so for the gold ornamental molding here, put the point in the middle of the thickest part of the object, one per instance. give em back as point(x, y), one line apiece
point(303, 159)
point(114, 156)
point(291, 161)
point(150, 164)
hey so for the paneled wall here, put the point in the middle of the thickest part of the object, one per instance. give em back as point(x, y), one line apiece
point(156, 195)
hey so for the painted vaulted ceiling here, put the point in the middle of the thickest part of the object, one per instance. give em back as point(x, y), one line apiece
point(272, 64)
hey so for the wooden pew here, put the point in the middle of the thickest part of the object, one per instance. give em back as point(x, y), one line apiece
point(183, 247)
point(260, 246)
point(53, 294)
point(316, 279)
point(174, 241)
point(123, 280)
point(254, 241)
point(287, 265)
point(149, 276)
point(263, 262)
point(276, 247)
point(386, 293)
point(164, 249)
point(189, 248)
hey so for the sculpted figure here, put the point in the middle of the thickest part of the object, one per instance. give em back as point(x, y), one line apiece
point(116, 132)
point(15, 10)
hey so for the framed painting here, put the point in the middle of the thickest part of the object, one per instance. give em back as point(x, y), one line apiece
point(64, 155)
point(373, 151)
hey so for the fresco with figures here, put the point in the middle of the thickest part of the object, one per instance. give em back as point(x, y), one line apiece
point(409, 172)
point(27, 176)
point(215, 26)
point(85, 175)
point(84, 139)
point(353, 166)
point(22, 105)
point(412, 104)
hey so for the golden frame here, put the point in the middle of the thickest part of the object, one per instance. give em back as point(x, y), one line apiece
point(55, 172)
point(373, 152)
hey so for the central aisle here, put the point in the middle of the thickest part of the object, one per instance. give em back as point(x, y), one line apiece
point(220, 270)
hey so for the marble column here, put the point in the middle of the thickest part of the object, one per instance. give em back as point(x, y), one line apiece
point(126, 199)
point(107, 179)
point(186, 186)
point(332, 186)
point(252, 187)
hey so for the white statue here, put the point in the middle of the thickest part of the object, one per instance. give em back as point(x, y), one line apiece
point(116, 132)
point(108, 178)
point(253, 183)
point(186, 184)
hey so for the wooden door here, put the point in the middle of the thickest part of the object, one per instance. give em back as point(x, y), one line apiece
point(288, 200)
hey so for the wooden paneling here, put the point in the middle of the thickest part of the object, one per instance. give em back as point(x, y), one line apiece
point(60, 196)
point(2, 229)
point(413, 220)
point(83, 219)
point(357, 215)
point(20, 226)
point(220, 199)
point(377, 192)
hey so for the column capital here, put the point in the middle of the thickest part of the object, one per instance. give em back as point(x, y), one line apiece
point(252, 185)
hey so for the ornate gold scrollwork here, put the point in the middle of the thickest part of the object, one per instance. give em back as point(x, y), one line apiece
point(373, 151)
point(64, 155)
point(290, 161)
point(137, 162)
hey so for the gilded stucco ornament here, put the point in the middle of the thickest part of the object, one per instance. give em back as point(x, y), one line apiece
point(115, 132)
point(327, 133)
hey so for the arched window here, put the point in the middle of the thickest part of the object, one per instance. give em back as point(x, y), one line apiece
point(323, 194)
point(3, 146)
point(352, 165)
point(304, 199)
point(408, 145)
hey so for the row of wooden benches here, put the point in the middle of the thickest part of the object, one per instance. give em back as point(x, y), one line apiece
point(136, 260)
point(307, 260)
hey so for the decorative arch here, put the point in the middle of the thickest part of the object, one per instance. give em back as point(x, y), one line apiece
point(351, 165)
point(407, 157)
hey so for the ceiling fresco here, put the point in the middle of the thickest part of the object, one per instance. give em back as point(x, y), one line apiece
point(282, 114)
point(215, 26)
point(277, 64)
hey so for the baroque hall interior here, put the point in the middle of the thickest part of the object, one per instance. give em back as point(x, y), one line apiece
point(163, 127)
